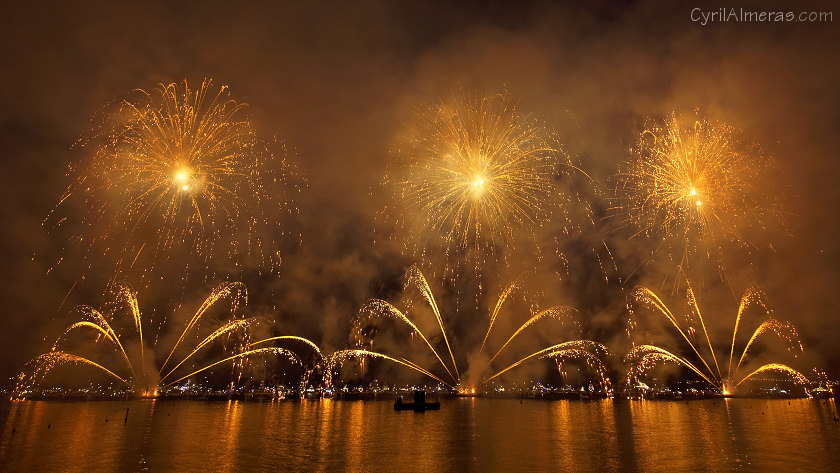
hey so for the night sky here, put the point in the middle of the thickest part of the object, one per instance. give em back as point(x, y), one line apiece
point(338, 83)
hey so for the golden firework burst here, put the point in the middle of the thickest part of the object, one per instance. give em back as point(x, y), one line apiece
point(698, 187)
point(180, 172)
point(473, 179)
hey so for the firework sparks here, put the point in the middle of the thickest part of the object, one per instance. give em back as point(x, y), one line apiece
point(558, 313)
point(473, 178)
point(593, 353)
point(376, 308)
point(643, 358)
point(235, 290)
point(225, 329)
point(138, 380)
point(178, 172)
point(39, 367)
point(336, 359)
point(380, 307)
point(697, 189)
point(285, 353)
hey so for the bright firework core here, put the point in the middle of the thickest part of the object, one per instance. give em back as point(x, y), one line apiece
point(696, 181)
point(183, 177)
point(474, 176)
point(478, 183)
point(187, 166)
point(694, 193)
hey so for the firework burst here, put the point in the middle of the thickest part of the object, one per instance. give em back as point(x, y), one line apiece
point(696, 189)
point(179, 172)
point(473, 179)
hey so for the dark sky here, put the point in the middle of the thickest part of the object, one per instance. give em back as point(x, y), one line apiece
point(337, 83)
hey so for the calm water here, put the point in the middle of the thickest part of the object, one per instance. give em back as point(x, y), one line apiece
point(465, 435)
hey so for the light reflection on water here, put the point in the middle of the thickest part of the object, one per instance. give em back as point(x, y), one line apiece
point(465, 435)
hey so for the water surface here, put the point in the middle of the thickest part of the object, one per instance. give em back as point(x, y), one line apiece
point(465, 435)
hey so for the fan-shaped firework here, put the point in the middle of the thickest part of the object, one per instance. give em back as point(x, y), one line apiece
point(472, 178)
point(704, 361)
point(179, 172)
point(591, 353)
point(133, 372)
point(697, 188)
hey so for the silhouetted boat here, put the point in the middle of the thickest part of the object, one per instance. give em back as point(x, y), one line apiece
point(419, 404)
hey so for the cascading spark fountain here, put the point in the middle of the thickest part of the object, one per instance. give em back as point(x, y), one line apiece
point(642, 358)
point(590, 352)
point(136, 377)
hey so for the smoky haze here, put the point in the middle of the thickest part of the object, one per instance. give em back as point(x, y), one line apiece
point(338, 83)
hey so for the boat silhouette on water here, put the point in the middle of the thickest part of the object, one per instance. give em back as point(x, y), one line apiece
point(419, 404)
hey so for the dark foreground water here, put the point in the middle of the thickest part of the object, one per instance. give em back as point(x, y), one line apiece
point(465, 435)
